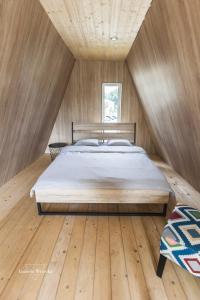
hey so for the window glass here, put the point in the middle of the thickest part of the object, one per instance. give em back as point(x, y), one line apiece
point(111, 102)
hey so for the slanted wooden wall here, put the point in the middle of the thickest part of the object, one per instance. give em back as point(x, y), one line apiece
point(165, 65)
point(35, 65)
point(82, 100)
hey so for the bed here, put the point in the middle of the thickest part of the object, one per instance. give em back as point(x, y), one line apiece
point(102, 174)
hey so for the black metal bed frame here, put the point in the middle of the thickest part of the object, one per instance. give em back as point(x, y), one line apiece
point(42, 212)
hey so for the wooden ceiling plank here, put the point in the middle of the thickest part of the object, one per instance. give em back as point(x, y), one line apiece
point(86, 26)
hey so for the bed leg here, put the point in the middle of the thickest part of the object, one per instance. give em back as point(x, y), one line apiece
point(39, 207)
point(164, 210)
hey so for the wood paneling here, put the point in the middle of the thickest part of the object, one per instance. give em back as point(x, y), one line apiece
point(165, 65)
point(82, 100)
point(87, 26)
point(34, 69)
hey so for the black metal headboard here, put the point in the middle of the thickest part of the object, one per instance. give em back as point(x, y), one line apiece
point(104, 131)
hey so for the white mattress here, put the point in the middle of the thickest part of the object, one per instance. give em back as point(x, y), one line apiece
point(104, 167)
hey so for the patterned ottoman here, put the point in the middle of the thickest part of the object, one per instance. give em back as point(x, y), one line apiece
point(180, 240)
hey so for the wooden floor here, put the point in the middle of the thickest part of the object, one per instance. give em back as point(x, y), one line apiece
point(84, 257)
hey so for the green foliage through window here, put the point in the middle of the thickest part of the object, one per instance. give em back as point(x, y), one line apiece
point(111, 102)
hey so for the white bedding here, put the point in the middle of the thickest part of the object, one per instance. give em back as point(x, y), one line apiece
point(104, 167)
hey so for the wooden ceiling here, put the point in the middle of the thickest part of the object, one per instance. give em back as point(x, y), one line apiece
point(87, 26)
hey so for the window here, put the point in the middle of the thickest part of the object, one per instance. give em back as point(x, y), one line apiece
point(111, 102)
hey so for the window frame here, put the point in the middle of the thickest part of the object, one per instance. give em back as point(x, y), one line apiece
point(119, 84)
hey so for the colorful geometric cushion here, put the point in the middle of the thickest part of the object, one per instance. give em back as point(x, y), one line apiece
point(180, 240)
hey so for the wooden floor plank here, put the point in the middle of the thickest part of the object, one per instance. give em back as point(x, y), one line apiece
point(51, 279)
point(184, 191)
point(136, 277)
point(20, 185)
point(119, 275)
point(13, 212)
point(29, 273)
point(85, 280)
point(154, 284)
point(67, 284)
point(11, 220)
point(16, 242)
point(102, 276)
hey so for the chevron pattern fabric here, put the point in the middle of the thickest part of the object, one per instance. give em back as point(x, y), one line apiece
point(180, 240)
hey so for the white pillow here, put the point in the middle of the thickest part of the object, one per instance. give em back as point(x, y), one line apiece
point(119, 142)
point(87, 142)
